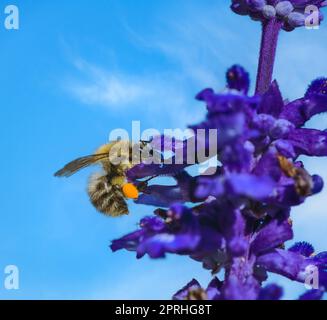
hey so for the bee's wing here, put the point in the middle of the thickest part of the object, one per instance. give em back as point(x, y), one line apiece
point(78, 164)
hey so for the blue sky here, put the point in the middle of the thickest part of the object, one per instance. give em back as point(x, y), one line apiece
point(74, 72)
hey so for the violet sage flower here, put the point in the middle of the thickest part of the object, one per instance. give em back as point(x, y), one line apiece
point(239, 219)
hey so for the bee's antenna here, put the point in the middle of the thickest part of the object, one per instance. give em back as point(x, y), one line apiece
point(144, 184)
point(151, 178)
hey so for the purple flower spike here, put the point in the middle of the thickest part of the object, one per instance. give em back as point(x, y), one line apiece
point(181, 232)
point(241, 220)
point(271, 236)
point(309, 142)
point(238, 219)
point(161, 196)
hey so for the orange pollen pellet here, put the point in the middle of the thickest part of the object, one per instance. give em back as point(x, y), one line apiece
point(130, 191)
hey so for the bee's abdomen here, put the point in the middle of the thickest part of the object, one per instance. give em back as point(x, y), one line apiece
point(106, 198)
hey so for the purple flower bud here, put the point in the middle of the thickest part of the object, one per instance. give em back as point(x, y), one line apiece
point(318, 184)
point(318, 86)
point(256, 5)
point(281, 129)
point(239, 8)
point(238, 78)
point(284, 8)
point(269, 12)
point(296, 19)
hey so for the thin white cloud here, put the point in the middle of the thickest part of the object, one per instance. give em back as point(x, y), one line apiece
point(150, 94)
point(113, 91)
point(105, 88)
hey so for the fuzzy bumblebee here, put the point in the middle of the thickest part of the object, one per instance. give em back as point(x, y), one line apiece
point(108, 190)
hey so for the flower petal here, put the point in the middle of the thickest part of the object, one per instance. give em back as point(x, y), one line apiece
point(271, 236)
point(309, 142)
point(255, 187)
point(144, 170)
point(161, 196)
point(183, 293)
point(213, 290)
point(300, 111)
point(285, 263)
point(312, 295)
point(158, 245)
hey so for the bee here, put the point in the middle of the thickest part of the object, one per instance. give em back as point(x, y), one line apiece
point(109, 190)
point(303, 181)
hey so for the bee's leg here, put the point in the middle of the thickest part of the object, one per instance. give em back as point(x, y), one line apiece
point(142, 186)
